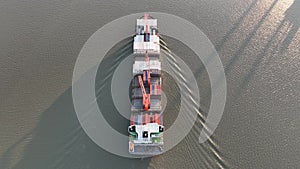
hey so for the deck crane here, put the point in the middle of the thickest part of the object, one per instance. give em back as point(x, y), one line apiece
point(146, 96)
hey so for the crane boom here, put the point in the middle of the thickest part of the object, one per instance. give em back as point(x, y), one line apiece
point(146, 97)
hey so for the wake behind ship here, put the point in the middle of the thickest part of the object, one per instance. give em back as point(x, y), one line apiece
point(146, 121)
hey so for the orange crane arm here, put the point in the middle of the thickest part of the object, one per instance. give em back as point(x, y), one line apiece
point(146, 100)
point(142, 85)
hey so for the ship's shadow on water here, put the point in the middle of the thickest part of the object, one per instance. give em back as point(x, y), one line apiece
point(58, 141)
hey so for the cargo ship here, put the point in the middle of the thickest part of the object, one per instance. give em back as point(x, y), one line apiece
point(146, 120)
